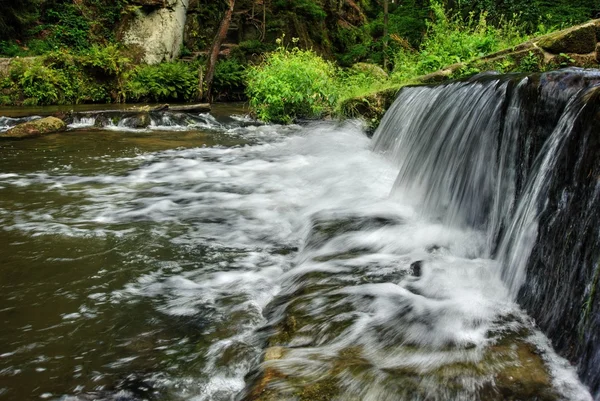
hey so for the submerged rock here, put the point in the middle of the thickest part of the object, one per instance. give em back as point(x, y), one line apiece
point(35, 128)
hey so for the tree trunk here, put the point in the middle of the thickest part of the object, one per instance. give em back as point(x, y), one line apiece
point(211, 63)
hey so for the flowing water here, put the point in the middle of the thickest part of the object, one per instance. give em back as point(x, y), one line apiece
point(222, 259)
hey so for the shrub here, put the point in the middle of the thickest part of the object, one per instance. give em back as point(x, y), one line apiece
point(229, 79)
point(40, 84)
point(108, 63)
point(161, 82)
point(291, 84)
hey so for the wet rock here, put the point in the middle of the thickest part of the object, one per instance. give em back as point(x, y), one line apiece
point(326, 228)
point(101, 121)
point(512, 369)
point(139, 121)
point(415, 268)
point(66, 116)
point(35, 128)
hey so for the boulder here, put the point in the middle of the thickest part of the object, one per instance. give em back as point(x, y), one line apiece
point(35, 128)
point(158, 32)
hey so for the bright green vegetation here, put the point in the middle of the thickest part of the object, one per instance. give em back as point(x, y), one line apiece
point(290, 84)
point(162, 82)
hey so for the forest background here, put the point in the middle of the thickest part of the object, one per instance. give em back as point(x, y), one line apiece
point(289, 58)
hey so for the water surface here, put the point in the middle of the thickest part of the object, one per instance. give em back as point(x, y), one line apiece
point(146, 264)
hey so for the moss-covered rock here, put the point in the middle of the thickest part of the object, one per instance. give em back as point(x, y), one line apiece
point(372, 70)
point(371, 106)
point(43, 126)
point(580, 39)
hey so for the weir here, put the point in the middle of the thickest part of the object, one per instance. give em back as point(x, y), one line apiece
point(517, 158)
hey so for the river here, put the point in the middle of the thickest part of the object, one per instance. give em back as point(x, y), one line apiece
point(159, 264)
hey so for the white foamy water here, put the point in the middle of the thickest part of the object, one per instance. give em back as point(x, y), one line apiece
point(224, 234)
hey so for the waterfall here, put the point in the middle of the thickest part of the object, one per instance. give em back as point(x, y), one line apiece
point(513, 157)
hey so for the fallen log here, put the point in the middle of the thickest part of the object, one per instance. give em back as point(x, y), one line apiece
point(200, 107)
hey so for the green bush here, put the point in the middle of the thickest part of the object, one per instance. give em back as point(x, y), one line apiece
point(40, 85)
point(63, 77)
point(229, 79)
point(167, 81)
point(291, 84)
point(108, 63)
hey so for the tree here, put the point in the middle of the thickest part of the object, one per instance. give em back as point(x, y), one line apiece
point(211, 63)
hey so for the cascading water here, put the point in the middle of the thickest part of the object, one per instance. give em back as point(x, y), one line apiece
point(485, 153)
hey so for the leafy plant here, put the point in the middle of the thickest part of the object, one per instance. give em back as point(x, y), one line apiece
point(290, 84)
point(166, 81)
point(109, 62)
point(529, 63)
point(230, 76)
point(40, 84)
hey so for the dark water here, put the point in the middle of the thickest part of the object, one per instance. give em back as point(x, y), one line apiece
point(158, 264)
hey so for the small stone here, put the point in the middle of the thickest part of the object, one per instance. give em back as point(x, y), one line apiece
point(274, 353)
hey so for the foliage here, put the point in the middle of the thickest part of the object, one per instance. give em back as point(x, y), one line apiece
point(532, 14)
point(161, 82)
point(306, 8)
point(353, 82)
point(290, 84)
point(39, 26)
point(529, 63)
point(16, 15)
point(230, 76)
point(68, 27)
point(451, 40)
point(64, 77)
point(108, 63)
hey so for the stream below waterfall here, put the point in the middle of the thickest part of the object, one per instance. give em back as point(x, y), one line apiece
point(222, 260)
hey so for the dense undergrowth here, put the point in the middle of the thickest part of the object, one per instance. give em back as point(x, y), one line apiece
point(105, 74)
point(81, 61)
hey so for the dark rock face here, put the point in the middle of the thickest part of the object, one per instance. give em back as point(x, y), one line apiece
point(562, 290)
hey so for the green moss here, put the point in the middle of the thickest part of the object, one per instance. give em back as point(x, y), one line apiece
point(322, 390)
point(35, 128)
